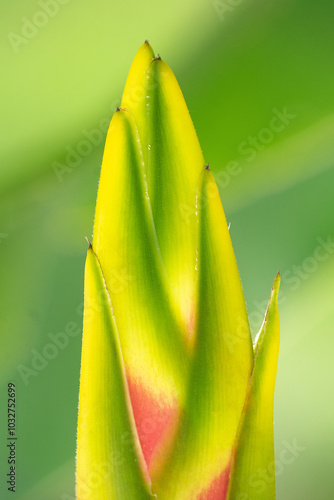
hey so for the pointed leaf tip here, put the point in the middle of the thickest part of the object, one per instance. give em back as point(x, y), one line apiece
point(135, 92)
point(254, 446)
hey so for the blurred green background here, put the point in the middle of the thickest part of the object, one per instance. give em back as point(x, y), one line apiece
point(239, 64)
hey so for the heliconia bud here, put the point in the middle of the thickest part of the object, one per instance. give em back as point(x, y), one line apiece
point(175, 403)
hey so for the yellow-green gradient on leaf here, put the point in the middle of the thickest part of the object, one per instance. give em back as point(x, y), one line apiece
point(221, 367)
point(124, 240)
point(173, 162)
point(169, 352)
point(254, 447)
point(110, 464)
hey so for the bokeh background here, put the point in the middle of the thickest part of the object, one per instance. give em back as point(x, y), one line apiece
point(239, 64)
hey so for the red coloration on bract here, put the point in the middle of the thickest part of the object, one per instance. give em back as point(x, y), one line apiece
point(152, 420)
point(218, 488)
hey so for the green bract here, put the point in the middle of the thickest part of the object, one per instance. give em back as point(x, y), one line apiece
point(175, 403)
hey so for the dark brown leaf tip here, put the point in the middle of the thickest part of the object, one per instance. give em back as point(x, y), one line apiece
point(89, 243)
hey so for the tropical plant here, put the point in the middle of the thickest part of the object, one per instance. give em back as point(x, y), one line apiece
point(175, 402)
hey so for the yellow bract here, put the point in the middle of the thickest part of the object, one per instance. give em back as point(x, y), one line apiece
point(110, 465)
point(254, 446)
